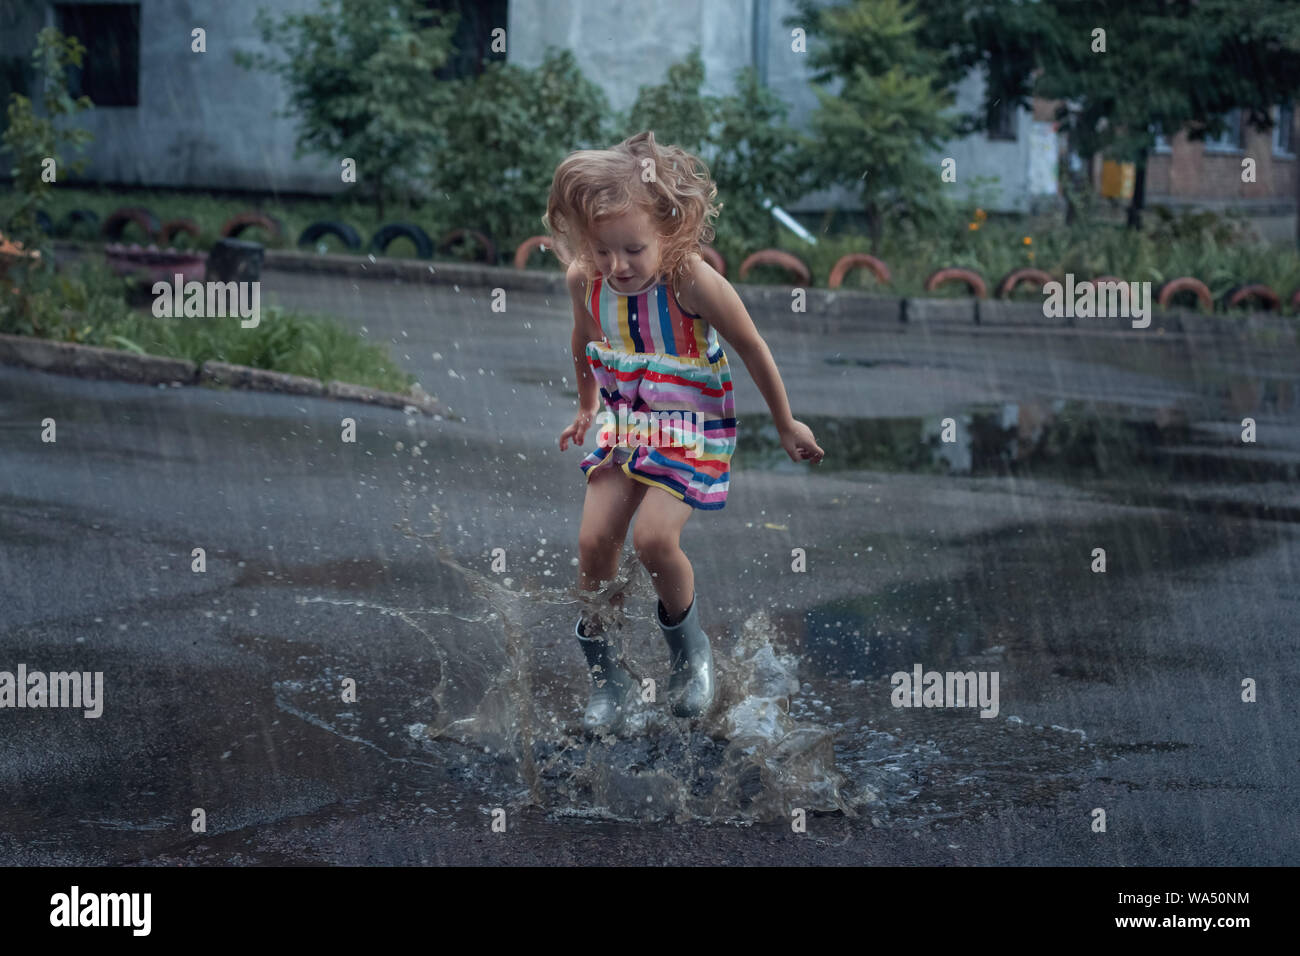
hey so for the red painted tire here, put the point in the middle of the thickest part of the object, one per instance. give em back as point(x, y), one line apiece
point(855, 260)
point(459, 235)
point(238, 223)
point(972, 279)
point(118, 219)
point(172, 226)
point(1186, 284)
point(525, 248)
point(1239, 294)
point(1295, 298)
point(776, 257)
point(1016, 276)
point(714, 258)
point(160, 265)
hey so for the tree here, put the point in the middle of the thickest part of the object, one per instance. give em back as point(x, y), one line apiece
point(360, 76)
point(891, 115)
point(1167, 65)
point(34, 140)
point(676, 109)
point(506, 131)
point(752, 154)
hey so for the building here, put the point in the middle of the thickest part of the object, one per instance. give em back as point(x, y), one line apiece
point(1207, 174)
point(167, 116)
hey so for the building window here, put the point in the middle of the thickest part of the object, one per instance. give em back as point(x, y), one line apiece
point(1284, 131)
point(1230, 140)
point(1002, 118)
point(472, 41)
point(110, 69)
point(1162, 141)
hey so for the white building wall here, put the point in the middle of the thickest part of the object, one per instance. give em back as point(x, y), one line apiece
point(623, 46)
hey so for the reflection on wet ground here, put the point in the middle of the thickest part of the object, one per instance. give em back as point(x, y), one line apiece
point(471, 687)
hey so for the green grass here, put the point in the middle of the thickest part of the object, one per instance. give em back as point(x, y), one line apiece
point(998, 247)
point(88, 304)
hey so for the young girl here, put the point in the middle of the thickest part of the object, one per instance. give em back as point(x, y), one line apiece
point(647, 309)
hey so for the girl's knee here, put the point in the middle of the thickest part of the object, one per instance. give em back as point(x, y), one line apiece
point(653, 545)
point(594, 546)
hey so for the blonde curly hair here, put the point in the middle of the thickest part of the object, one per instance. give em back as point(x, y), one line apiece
point(594, 185)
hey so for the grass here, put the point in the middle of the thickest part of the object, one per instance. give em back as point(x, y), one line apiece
point(1217, 257)
point(87, 304)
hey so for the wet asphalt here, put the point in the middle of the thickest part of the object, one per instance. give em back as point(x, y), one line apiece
point(1120, 691)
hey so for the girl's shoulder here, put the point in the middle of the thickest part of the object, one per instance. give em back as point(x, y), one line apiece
point(686, 288)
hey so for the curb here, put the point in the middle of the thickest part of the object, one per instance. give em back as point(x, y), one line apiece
point(417, 270)
point(92, 361)
point(827, 310)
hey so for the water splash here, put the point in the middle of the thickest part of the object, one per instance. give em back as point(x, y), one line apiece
point(748, 760)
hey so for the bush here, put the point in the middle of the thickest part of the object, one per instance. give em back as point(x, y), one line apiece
point(751, 153)
point(508, 130)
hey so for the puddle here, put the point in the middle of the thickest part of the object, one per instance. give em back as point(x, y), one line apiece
point(513, 688)
point(1127, 452)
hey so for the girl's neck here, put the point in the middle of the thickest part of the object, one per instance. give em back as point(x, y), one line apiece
point(653, 282)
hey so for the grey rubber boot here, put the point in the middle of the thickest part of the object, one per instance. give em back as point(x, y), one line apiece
point(690, 680)
point(611, 684)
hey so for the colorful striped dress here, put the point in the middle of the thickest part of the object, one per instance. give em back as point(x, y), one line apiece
point(657, 357)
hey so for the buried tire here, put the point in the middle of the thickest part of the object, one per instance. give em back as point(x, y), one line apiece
point(381, 240)
point(120, 218)
point(330, 227)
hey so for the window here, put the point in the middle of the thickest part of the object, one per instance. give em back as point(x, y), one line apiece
point(472, 41)
point(1162, 141)
point(1284, 131)
point(110, 68)
point(1230, 140)
point(1002, 118)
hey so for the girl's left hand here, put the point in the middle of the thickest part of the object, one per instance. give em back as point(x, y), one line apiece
point(798, 441)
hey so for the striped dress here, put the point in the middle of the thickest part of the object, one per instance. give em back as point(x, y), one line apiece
point(657, 357)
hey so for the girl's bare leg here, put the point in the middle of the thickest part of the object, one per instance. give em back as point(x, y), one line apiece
point(657, 540)
point(612, 499)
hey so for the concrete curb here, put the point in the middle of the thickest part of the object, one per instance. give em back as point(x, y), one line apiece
point(89, 361)
point(416, 270)
point(827, 310)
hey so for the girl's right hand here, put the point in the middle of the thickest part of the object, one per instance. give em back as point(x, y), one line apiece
point(578, 430)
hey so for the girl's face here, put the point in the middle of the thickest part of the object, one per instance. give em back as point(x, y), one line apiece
point(627, 250)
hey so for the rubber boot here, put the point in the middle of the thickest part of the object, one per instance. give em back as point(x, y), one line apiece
point(690, 680)
point(611, 684)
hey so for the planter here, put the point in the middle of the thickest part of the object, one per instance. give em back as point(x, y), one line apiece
point(157, 265)
point(855, 260)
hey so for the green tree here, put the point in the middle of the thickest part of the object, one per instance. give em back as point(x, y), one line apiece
point(753, 156)
point(507, 130)
point(360, 77)
point(879, 134)
point(1168, 64)
point(677, 110)
point(32, 140)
